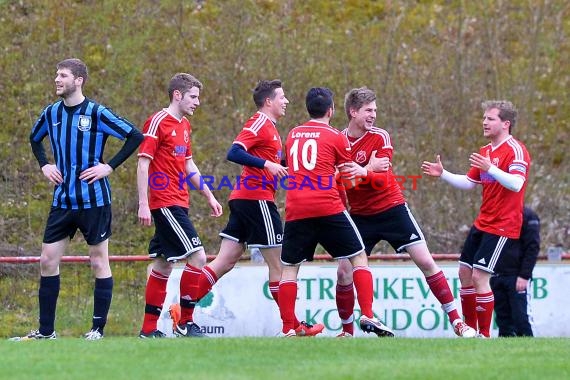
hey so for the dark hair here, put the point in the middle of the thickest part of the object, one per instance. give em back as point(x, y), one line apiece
point(318, 101)
point(507, 111)
point(182, 82)
point(265, 89)
point(357, 98)
point(76, 66)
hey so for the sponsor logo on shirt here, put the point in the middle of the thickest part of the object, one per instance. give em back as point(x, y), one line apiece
point(179, 151)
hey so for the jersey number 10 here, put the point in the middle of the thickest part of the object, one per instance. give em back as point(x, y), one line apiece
point(309, 162)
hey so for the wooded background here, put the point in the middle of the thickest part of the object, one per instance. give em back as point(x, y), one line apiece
point(431, 63)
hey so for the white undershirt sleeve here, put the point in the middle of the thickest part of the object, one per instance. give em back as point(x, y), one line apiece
point(459, 181)
point(512, 182)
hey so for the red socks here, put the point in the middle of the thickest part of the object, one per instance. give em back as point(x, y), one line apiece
point(468, 306)
point(440, 289)
point(206, 281)
point(188, 292)
point(274, 290)
point(155, 294)
point(485, 305)
point(363, 283)
point(345, 306)
point(287, 297)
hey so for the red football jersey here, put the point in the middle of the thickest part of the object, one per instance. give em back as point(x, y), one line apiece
point(314, 150)
point(167, 143)
point(502, 209)
point(371, 198)
point(260, 138)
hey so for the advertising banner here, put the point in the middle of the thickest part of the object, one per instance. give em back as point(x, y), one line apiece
point(240, 303)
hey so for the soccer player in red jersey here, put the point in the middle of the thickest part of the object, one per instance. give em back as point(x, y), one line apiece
point(254, 220)
point(502, 168)
point(165, 172)
point(380, 211)
point(315, 213)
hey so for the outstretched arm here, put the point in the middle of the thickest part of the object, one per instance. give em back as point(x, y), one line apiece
point(435, 169)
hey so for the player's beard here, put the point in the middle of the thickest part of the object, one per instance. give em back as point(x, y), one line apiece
point(67, 91)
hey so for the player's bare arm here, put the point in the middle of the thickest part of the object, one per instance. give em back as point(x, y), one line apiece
point(144, 216)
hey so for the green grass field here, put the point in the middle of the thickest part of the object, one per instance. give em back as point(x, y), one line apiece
point(273, 358)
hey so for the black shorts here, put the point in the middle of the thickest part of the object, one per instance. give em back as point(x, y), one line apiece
point(174, 236)
point(336, 233)
point(254, 223)
point(483, 250)
point(396, 225)
point(94, 223)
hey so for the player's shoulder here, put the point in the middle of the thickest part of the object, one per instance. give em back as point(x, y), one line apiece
point(158, 117)
point(379, 133)
point(314, 127)
point(154, 122)
point(518, 148)
point(257, 123)
point(515, 144)
point(55, 105)
point(332, 130)
point(92, 106)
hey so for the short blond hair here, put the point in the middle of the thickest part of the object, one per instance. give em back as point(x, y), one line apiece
point(507, 110)
point(357, 98)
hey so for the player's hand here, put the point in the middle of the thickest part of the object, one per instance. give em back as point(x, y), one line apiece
point(378, 164)
point(480, 162)
point(215, 206)
point(521, 284)
point(95, 173)
point(434, 169)
point(276, 169)
point(351, 170)
point(52, 173)
point(145, 218)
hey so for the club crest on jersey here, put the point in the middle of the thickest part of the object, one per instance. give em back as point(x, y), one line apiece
point(496, 161)
point(360, 157)
point(84, 123)
point(186, 136)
